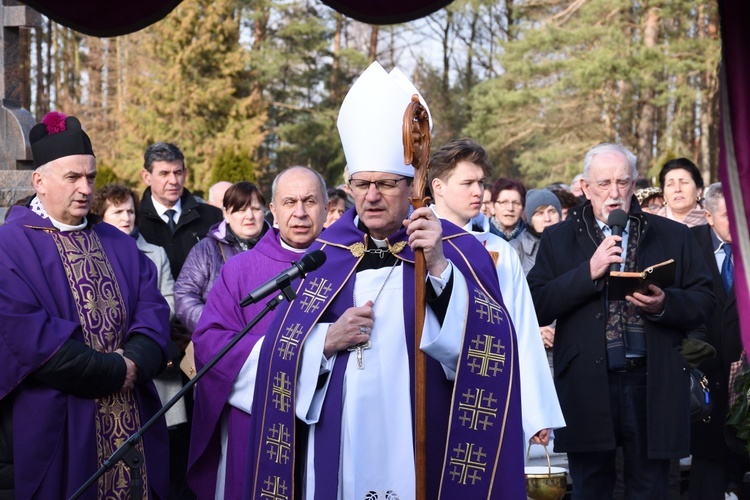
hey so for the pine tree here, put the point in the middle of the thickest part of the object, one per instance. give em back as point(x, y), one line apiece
point(589, 72)
point(233, 167)
point(193, 88)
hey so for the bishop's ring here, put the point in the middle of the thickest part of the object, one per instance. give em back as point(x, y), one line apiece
point(364, 330)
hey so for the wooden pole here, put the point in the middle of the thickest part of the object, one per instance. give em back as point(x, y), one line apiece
point(416, 137)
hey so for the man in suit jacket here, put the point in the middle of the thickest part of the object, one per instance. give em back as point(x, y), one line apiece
point(619, 375)
point(716, 470)
point(164, 172)
point(173, 219)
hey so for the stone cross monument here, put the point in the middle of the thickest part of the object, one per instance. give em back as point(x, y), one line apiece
point(15, 122)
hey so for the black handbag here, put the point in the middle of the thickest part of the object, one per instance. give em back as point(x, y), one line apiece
point(700, 396)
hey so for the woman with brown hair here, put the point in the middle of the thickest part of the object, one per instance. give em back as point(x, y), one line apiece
point(242, 227)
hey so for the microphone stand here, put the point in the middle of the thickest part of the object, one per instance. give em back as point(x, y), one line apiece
point(128, 453)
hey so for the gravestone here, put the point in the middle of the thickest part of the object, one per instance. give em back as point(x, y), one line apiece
point(15, 122)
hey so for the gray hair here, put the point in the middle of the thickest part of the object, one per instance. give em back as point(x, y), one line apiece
point(610, 147)
point(714, 194)
point(43, 169)
point(321, 181)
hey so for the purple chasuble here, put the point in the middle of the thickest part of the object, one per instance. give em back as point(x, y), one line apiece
point(104, 293)
point(221, 320)
point(474, 432)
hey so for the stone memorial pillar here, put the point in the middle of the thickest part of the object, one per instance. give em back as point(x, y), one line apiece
point(15, 122)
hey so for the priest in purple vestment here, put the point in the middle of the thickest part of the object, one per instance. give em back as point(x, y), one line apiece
point(333, 408)
point(221, 418)
point(83, 329)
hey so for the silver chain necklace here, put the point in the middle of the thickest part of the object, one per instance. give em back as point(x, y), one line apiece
point(361, 347)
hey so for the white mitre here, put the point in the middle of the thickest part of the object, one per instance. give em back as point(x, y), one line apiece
point(371, 120)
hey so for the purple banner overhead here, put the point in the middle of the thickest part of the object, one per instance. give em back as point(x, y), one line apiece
point(106, 18)
point(734, 166)
point(386, 11)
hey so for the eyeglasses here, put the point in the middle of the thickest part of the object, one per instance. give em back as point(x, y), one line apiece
point(511, 203)
point(361, 186)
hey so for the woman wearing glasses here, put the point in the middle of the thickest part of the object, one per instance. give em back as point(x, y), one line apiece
point(509, 199)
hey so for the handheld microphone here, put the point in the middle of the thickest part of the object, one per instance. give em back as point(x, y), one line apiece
point(617, 221)
point(310, 262)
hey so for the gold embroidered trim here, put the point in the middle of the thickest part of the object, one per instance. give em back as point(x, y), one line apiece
point(358, 249)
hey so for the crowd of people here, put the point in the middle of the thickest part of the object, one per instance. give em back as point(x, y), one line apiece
point(109, 304)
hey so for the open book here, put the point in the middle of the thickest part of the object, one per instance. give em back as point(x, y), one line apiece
point(622, 283)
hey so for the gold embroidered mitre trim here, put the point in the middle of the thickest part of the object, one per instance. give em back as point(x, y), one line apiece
point(358, 249)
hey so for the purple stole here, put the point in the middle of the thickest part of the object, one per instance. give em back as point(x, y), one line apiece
point(104, 323)
point(474, 428)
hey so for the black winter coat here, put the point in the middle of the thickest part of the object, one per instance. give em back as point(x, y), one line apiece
point(723, 332)
point(562, 290)
point(195, 221)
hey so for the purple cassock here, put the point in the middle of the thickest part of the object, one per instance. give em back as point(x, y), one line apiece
point(95, 287)
point(467, 457)
point(221, 320)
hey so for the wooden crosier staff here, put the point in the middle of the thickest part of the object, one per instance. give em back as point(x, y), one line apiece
point(416, 137)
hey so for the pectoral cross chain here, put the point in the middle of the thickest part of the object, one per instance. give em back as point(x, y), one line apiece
point(360, 348)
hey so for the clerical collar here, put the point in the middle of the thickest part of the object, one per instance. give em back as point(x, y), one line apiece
point(37, 207)
point(361, 226)
point(371, 257)
point(284, 244)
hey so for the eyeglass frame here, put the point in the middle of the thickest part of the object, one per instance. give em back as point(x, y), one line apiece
point(378, 185)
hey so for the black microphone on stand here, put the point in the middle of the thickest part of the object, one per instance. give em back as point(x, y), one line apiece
point(617, 221)
point(310, 262)
point(128, 451)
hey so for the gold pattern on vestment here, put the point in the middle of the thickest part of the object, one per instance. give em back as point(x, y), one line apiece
point(358, 249)
point(282, 391)
point(104, 322)
point(314, 295)
point(278, 443)
point(495, 256)
point(477, 410)
point(274, 489)
point(289, 341)
point(487, 309)
point(486, 356)
point(467, 463)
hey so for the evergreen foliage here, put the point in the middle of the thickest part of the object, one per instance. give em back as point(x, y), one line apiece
point(250, 87)
point(584, 73)
point(194, 87)
point(232, 167)
point(105, 175)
